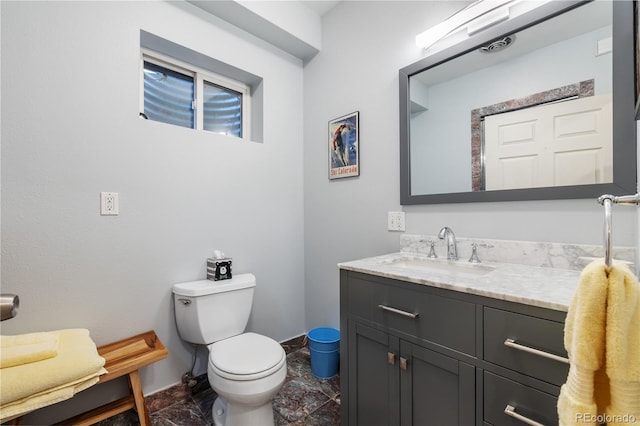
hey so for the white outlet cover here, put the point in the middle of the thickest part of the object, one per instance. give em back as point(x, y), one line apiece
point(109, 204)
point(395, 221)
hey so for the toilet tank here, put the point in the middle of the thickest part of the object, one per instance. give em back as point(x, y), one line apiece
point(208, 311)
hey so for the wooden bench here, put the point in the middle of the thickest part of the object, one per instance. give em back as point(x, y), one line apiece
point(125, 357)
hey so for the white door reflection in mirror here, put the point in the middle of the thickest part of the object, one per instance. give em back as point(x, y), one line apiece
point(558, 144)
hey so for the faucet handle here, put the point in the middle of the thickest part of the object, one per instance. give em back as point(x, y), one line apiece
point(474, 254)
point(474, 251)
point(432, 251)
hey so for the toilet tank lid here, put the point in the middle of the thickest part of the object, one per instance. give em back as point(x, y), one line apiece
point(204, 287)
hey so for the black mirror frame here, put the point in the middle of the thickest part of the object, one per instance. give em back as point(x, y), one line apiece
point(624, 125)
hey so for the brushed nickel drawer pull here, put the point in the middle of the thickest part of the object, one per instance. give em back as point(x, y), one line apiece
point(511, 411)
point(391, 358)
point(512, 344)
point(403, 363)
point(398, 311)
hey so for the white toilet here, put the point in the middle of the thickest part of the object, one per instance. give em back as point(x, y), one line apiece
point(245, 369)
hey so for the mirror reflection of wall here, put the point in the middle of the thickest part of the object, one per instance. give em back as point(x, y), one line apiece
point(542, 58)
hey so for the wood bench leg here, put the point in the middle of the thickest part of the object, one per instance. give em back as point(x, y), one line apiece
point(136, 389)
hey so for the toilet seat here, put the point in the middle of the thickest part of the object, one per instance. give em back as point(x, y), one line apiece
point(247, 356)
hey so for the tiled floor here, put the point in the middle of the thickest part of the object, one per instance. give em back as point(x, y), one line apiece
point(303, 400)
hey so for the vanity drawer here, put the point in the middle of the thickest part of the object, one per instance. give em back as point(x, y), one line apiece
point(545, 337)
point(416, 312)
point(502, 394)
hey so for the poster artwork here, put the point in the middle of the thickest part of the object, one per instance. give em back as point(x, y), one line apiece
point(344, 147)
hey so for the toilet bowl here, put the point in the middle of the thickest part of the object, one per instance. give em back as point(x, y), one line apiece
point(246, 370)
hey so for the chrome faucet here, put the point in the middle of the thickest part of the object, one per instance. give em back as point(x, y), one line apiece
point(448, 236)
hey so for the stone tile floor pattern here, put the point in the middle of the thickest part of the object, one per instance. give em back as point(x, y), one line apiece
point(303, 399)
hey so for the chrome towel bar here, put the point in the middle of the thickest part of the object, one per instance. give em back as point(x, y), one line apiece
point(607, 201)
point(9, 304)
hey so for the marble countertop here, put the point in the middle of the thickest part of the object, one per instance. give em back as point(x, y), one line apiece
point(550, 288)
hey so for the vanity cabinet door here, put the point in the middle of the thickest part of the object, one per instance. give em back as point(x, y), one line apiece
point(435, 389)
point(394, 382)
point(374, 377)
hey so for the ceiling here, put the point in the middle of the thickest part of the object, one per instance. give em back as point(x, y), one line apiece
point(245, 18)
point(320, 7)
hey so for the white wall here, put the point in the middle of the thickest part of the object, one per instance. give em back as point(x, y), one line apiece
point(70, 129)
point(363, 47)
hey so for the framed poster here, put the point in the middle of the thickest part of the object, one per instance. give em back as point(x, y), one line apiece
point(344, 146)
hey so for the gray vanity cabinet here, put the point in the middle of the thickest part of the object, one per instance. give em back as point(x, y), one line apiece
point(374, 381)
point(435, 389)
point(535, 351)
point(395, 382)
point(412, 354)
point(398, 369)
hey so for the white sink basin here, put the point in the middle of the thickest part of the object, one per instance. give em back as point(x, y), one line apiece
point(440, 266)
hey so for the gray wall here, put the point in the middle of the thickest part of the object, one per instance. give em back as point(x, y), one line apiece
point(363, 48)
point(70, 129)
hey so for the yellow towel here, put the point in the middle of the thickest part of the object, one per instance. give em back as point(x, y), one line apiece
point(51, 396)
point(602, 337)
point(26, 348)
point(77, 358)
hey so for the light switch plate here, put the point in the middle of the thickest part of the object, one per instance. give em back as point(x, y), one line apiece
point(604, 46)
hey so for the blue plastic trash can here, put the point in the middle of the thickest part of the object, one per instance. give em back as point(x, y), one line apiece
point(324, 347)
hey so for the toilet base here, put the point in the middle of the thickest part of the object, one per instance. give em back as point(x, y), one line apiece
point(219, 411)
point(225, 414)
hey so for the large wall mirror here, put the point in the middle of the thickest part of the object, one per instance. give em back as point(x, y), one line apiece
point(538, 107)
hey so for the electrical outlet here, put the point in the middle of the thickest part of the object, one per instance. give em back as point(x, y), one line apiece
point(395, 221)
point(109, 203)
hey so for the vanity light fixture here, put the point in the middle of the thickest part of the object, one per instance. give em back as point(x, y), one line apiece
point(488, 19)
point(476, 17)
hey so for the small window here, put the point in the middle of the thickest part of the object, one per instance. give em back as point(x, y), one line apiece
point(168, 96)
point(183, 95)
point(222, 110)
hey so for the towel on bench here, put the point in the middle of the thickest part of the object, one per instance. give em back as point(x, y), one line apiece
point(27, 348)
point(48, 397)
point(76, 367)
